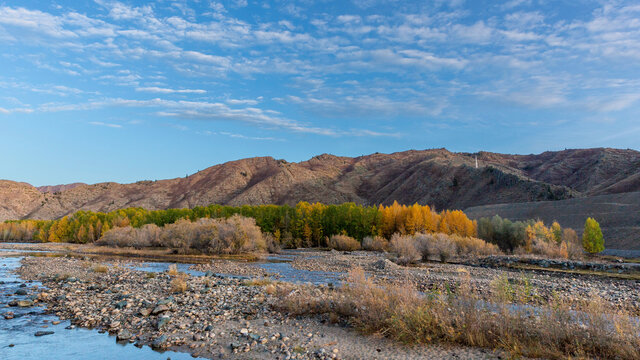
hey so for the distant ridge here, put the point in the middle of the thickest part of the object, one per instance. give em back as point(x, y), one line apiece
point(436, 177)
point(57, 188)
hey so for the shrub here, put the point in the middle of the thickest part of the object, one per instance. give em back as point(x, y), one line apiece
point(173, 270)
point(343, 243)
point(273, 246)
point(376, 243)
point(234, 235)
point(474, 246)
point(178, 284)
point(424, 245)
point(574, 247)
point(404, 247)
point(443, 247)
point(100, 269)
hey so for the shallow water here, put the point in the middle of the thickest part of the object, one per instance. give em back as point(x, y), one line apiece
point(63, 344)
point(278, 264)
point(281, 265)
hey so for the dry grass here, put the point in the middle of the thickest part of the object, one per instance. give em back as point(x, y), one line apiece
point(173, 270)
point(557, 331)
point(100, 269)
point(179, 284)
point(257, 282)
point(343, 243)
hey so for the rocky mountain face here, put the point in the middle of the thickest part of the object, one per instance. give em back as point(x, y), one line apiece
point(436, 177)
point(57, 188)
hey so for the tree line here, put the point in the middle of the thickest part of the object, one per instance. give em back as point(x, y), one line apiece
point(304, 224)
point(310, 225)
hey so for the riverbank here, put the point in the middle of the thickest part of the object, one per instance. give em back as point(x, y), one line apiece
point(213, 317)
point(543, 284)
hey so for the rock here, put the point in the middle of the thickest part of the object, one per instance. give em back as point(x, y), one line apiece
point(166, 301)
point(21, 292)
point(159, 309)
point(43, 333)
point(162, 322)
point(244, 331)
point(124, 335)
point(160, 342)
point(121, 304)
point(8, 316)
point(25, 303)
point(208, 328)
point(145, 312)
point(235, 345)
point(13, 303)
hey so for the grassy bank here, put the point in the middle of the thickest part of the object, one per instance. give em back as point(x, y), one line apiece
point(559, 330)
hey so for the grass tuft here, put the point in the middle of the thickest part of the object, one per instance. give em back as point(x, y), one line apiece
point(100, 269)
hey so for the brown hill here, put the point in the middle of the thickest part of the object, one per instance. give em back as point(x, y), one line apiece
point(436, 177)
point(57, 188)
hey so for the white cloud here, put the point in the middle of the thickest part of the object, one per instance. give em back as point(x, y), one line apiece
point(35, 21)
point(15, 110)
point(100, 123)
point(160, 90)
point(476, 33)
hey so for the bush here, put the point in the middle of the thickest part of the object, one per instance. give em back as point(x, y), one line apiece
point(273, 246)
point(443, 247)
point(173, 270)
point(424, 245)
point(376, 243)
point(343, 243)
point(100, 269)
point(178, 284)
point(410, 249)
point(404, 247)
point(234, 235)
point(474, 246)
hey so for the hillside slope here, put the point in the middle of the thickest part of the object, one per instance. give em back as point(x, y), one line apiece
point(436, 177)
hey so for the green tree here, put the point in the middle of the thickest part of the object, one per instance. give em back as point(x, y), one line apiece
point(592, 240)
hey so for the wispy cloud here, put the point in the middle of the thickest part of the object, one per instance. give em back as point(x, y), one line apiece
point(160, 90)
point(100, 123)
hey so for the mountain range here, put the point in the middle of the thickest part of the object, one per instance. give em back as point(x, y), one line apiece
point(436, 177)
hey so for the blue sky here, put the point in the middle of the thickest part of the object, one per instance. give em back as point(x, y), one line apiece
point(125, 91)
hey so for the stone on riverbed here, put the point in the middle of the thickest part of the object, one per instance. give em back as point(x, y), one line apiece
point(160, 309)
point(160, 342)
point(43, 333)
point(124, 335)
point(162, 322)
point(25, 303)
point(121, 305)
